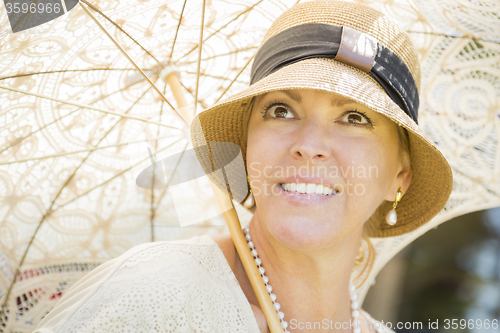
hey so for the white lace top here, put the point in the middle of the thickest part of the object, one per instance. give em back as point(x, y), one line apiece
point(176, 286)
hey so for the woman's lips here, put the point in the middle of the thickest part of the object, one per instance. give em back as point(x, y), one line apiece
point(301, 198)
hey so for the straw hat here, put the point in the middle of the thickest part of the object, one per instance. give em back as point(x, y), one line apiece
point(355, 51)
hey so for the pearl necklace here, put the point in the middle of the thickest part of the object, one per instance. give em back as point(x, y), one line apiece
point(277, 306)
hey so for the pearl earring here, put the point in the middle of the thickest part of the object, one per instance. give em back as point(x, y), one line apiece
point(250, 200)
point(391, 217)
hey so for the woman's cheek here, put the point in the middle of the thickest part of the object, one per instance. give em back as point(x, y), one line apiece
point(258, 164)
point(364, 172)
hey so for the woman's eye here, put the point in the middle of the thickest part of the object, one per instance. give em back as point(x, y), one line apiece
point(356, 118)
point(279, 111)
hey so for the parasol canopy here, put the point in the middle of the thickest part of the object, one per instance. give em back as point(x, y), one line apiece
point(79, 123)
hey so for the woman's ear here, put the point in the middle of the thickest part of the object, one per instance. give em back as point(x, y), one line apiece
point(403, 178)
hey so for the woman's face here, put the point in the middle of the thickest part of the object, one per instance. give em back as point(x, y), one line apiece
point(301, 138)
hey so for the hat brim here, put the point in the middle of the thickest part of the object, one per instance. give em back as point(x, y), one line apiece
point(432, 179)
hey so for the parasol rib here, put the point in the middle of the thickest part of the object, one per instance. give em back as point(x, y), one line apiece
point(121, 29)
point(216, 77)
point(153, 211)
point(63, 2)
point(200, 48)
point(177, 31)
point(89, 107)
point(234, 80)
point(171, 174)
point(84, 150)
point(66, 71)
point(19, 140)
point(225, 25)
point(130, 59)
point(118, 174)
point(219, 55)
point(202, 102)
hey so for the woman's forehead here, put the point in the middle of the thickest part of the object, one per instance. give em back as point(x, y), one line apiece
point(298, 95)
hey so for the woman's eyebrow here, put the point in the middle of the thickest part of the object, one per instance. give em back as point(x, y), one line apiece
point(292, 95)
point(341, 102)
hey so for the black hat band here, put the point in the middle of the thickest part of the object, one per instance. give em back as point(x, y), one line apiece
point(318, 40)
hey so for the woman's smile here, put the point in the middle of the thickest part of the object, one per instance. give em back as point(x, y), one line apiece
point(308, 188)
point(303, 193)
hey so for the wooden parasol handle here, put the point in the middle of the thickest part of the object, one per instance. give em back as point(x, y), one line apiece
point(234, 226)
point(253, 274)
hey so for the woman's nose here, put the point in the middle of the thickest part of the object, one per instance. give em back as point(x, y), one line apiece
point(311, 142)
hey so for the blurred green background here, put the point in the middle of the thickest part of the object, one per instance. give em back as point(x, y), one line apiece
point(451, 272)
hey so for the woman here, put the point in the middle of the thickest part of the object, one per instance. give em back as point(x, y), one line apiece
point(328, 129)
point(314, 233)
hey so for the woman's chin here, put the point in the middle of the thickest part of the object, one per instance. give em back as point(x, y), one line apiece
point(303, 233)
point(275, 209)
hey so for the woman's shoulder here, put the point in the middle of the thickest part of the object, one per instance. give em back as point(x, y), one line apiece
point(193, 245)
point(199, 251)
point(155, 281)
point(375, 325)
point(203, 241)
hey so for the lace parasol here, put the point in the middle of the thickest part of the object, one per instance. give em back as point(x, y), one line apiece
point(78, 123)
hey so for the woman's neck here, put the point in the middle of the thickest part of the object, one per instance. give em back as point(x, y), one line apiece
point(312, 286)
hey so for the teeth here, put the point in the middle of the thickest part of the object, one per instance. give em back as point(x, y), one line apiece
point(319, 189)
point(326, 190)
point(307, 188)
